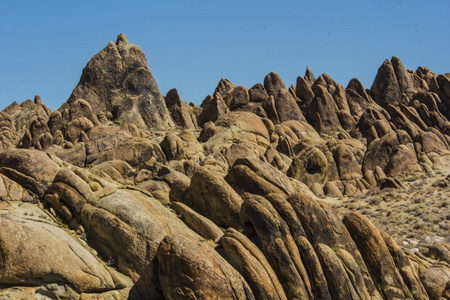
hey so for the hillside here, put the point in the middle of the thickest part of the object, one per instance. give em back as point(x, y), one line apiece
point(312, 191)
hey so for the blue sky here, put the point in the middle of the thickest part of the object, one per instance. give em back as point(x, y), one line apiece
point(190, 45)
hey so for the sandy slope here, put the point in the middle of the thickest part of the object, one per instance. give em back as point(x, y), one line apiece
point(415, 216)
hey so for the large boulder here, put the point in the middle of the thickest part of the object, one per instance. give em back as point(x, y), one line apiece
point(248, 259)
point(191, 269)
point(385, 89)
point(277, 245)
point(357, 97)
point(32, 169)
point(138, 152)
point(35, 251)
point(210, 195)
point(179, 110)
point(258, 177)
point(21, 118)
point(273, 84)
point(437, 281)
point(13, 191)
point(213, 107)
point(309, 166)
point(127, 226)
point(322, 112)
point(287, 108)
point(303, 92)
point(376, 256)
point(236, 134)
point(238, 97)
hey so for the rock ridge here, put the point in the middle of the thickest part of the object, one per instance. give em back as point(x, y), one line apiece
point(142, 196)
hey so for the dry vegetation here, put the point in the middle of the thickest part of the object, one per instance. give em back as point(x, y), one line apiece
point(415, 216)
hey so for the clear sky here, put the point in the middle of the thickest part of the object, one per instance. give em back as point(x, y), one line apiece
point(191, 44)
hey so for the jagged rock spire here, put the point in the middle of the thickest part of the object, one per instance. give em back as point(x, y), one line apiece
point(118, 81)
point(121, 40)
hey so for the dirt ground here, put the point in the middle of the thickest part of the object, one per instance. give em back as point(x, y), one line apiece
point(416, 216)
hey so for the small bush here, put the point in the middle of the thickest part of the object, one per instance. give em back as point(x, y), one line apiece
point(407, 294)
point(94, 186)
point(61, 223)
point(210, 243)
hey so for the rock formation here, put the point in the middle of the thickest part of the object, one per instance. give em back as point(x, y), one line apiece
point(123, 193)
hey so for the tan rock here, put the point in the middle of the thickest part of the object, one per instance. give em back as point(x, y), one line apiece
point(303, 91)
point(127, 226)
point(172, 146)
point(322, 112)
point(237, 98)
point(179, 110)
point(436, 281)
point(211, 196)
point(278, 246)
point(248, 259)
point(249, 181)
point(331, 189)
point(258, 93)
point(12, 191)
point(346, 163)
point(32, 169)
point(273, 84)
point(118, 80)
point(441, 251)
point(376, 256)
point(268, 173)
point(338, 281)
point(385, 89)
point(65, 260)
point(188, 268)
point(287, 108)
point(137, 152)
point(213, 108)
point(203, 226)
point(309, 166)
point(407, 270)
point(309, 257)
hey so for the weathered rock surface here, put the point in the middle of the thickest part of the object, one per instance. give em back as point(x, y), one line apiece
point(125, 194)
point(118, 80)
point(211, 196)
point(32, 169)
point(376, 256)
point(179, 110)
point(35, 252)
point(191, 269)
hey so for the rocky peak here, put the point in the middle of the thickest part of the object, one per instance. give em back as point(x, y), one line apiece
point(273, 84)
point(180, 112)
point(101, 209)
point(309, 76)
point(224, 87)
point(404, 79)
point(391, 82)
point(121, 40)
point(118, 80)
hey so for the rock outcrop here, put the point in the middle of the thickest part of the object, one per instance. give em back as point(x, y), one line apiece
point(117, 81)
point(122, 193)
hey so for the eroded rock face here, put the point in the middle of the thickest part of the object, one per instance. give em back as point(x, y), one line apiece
point(379, 262)
point(125, 194)
point(118, 80)
point(32, 169)
point(179, 110)
point(75, 265)
point(210, 195)
point(204, 273)
point(36, 252)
